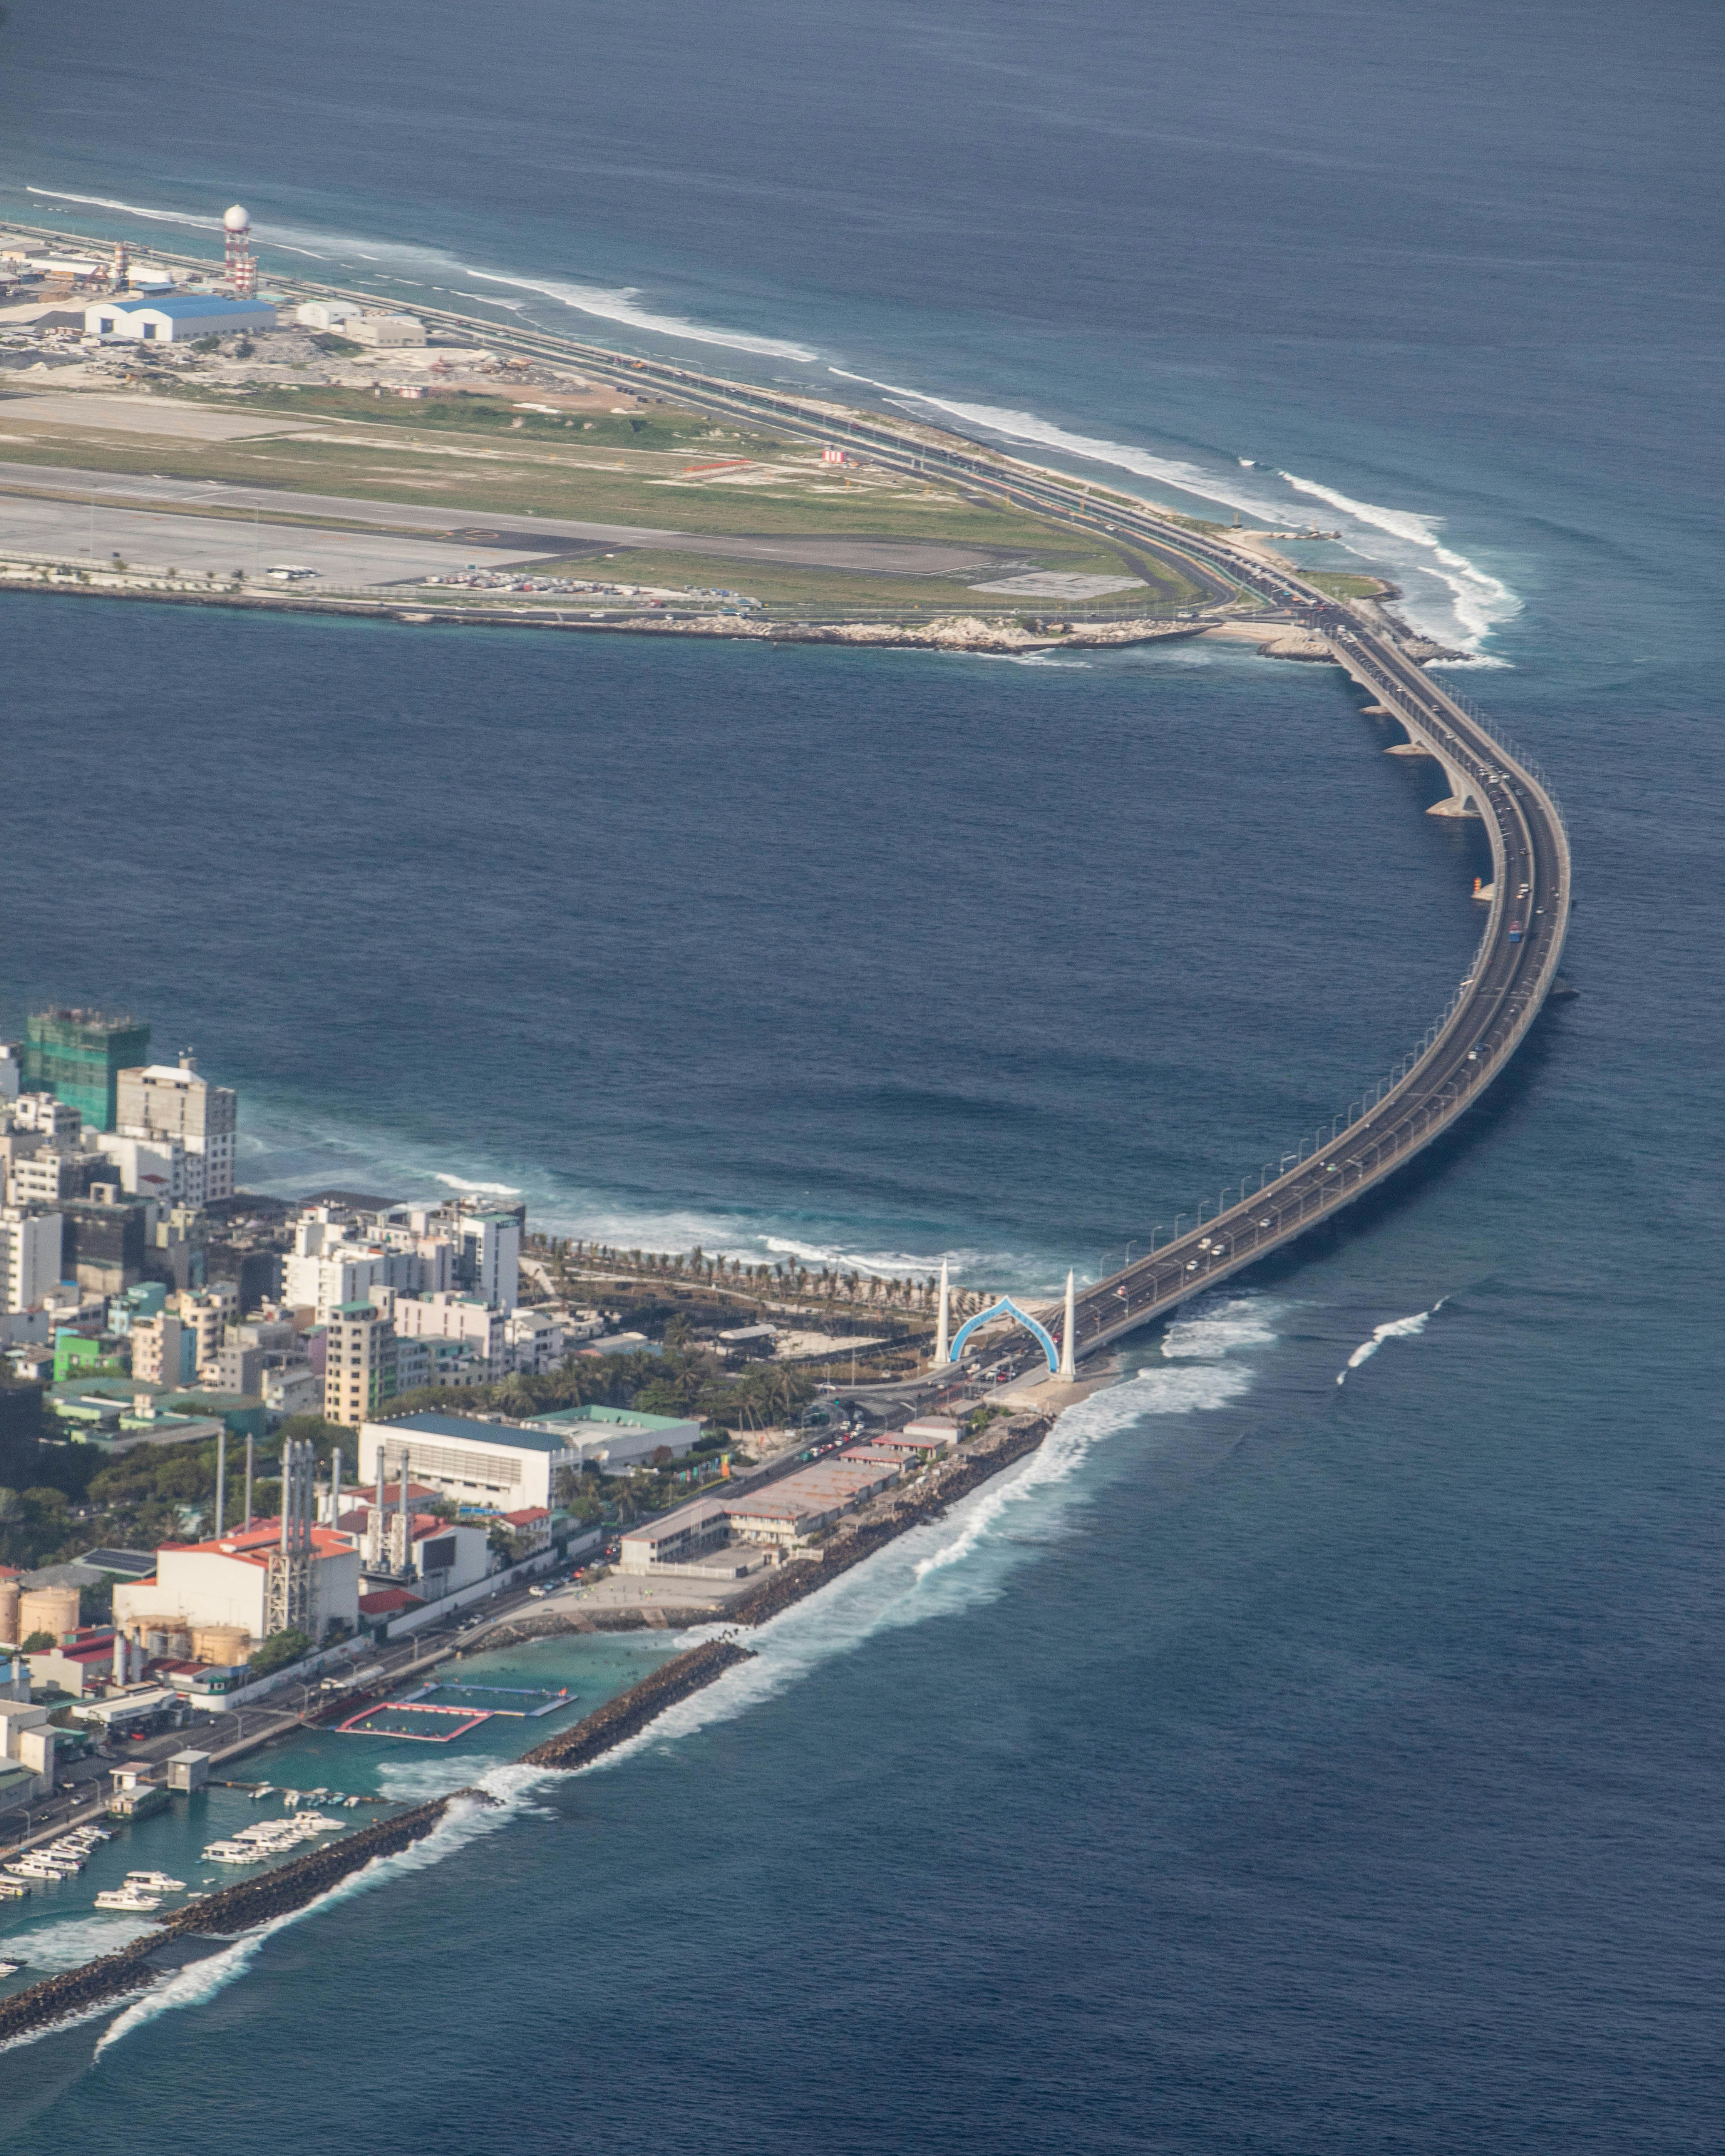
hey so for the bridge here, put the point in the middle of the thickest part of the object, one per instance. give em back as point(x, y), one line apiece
point(1490, 1013)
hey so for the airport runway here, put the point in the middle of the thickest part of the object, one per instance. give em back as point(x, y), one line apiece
point(137, 514)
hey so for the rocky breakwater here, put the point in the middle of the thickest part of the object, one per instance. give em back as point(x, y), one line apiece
point(937, 1493)
point(949, 632)
point(290, 1886)
point(236, 1908)
point(631, 1711)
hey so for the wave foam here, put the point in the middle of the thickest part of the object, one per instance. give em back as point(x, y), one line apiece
point(925, 1574)
point(1213, 1327)
point(618, 305)
point(70, 1944)
point(201, 1981)
point(1481, 601)
point(1398, 1328)
point(1478, 600)
point(483, 1189)
point(130, 209)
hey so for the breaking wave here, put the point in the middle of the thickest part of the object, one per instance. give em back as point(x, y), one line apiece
point(1481, 601)
point(619, 305)
point(201, 1981)
point(1477, 602)
point(130, 209)
point(1213, 1327)
point(1398, 1328)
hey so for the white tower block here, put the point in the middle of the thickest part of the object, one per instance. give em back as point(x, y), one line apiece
point(942, 1356)
point(1069, 1363)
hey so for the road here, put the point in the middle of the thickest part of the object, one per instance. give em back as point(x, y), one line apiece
point(1492, 1010)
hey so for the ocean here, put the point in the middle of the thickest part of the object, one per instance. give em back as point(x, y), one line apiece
point(1314, 1748)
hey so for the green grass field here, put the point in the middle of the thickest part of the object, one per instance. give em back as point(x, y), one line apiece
point(464, 455)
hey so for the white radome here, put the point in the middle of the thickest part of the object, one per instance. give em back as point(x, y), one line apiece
point(238, 219)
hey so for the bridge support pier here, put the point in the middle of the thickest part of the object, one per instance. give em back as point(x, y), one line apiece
point(942, 1354)
point(1069, 1360)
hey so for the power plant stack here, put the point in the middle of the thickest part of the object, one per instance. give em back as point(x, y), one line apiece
point(288, 1604)
point(242, 263)
point(389, 1532)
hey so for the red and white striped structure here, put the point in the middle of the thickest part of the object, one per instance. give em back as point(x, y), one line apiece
point(242, 263)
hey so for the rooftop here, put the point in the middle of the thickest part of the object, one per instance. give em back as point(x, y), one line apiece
point(618, 1417)
point(196, 303)
point(253, 1545)
point(509, 1437)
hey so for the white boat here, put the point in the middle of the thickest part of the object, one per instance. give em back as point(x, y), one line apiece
point(352, 1803)
point(13, 1890)
point(154, 1882)
point(263, 1789)
point(122, 1898)
point(319, 1824)
point(10, 1967)
point(26, 1869)
point(232, 1852)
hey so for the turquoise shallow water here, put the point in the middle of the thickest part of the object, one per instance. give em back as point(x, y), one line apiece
point(1287, 1764)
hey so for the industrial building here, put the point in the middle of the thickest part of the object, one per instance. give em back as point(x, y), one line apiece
point(325, 314)
point(241, 1580)
point(170, 321)
point(384, 330)
point(400, 1546)
point(505, 1465)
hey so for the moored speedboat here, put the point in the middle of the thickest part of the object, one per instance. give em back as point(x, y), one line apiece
point(123, 1897)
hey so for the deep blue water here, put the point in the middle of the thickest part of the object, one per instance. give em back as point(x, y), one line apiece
point(1286, 1765)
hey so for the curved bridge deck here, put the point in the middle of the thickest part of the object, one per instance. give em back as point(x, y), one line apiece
point(1518, 955)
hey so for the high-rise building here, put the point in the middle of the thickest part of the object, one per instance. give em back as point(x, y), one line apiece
point(78, 1055)
point(29, 1258)
point(359, 1373)
point(169, 1100)
point(491, 1257)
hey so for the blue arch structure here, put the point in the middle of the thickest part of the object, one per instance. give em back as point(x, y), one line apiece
point(1006, 1307)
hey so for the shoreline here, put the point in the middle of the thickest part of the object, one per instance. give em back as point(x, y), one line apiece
point(234, 1910)
point(947, 633)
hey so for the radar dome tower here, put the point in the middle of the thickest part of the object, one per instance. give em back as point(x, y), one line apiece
point(242, 264)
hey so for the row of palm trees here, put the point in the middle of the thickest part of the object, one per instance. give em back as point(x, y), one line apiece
point(788, 1278)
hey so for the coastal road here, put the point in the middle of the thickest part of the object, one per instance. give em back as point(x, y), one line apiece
point(1517, 963)
point(1492, 1010)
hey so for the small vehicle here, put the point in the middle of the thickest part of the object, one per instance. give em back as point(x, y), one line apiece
point(1192, 1266)
point(539, 1593)
point(1515, 931)
point(1476, 1051)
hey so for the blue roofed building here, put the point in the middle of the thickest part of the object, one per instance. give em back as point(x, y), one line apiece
point(170, 321)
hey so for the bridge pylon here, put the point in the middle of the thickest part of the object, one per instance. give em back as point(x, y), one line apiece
point(1068, 1361)
point(942, 1356)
